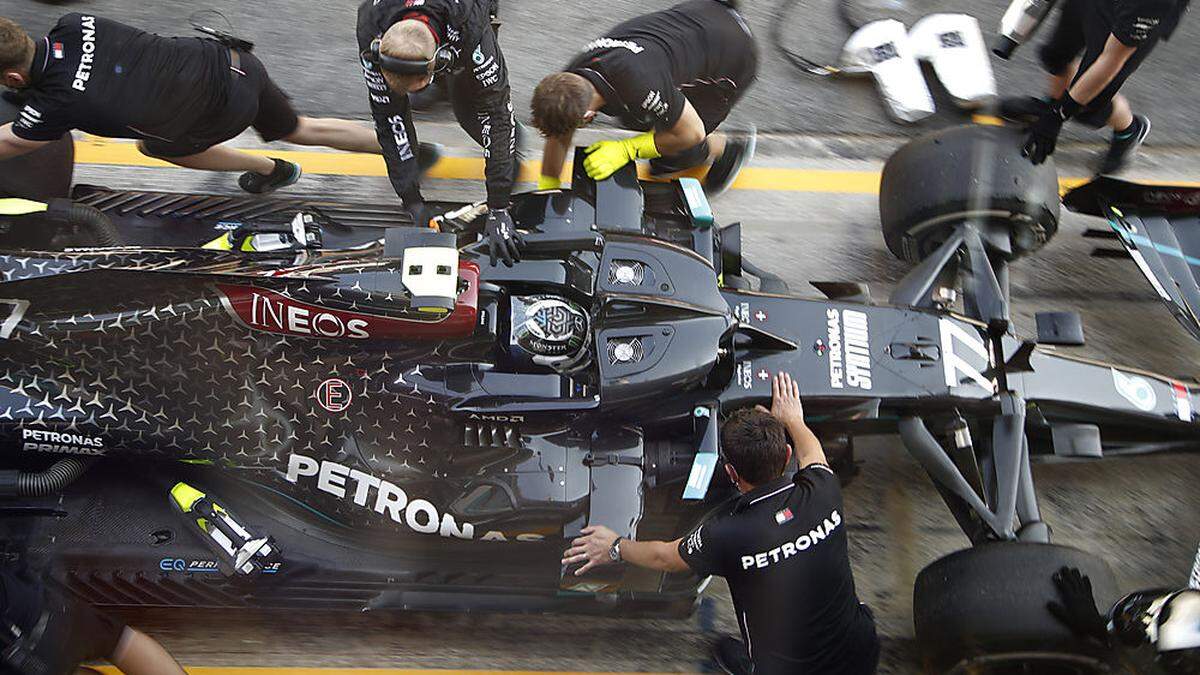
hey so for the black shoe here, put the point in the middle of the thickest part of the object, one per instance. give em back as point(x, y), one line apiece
point(731, 657)
point(284, 174)
point(738, 151)
point(428, 154)
point(1124, 146)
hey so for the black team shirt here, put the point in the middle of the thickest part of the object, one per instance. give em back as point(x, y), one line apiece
point(112, 80)
point(782, 547)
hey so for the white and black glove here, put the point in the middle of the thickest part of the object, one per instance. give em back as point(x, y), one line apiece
point(502, 237)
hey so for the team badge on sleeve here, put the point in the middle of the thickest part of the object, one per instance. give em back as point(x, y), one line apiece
point(783, 516)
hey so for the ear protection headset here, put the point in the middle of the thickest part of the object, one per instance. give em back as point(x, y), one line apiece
point(442, 61)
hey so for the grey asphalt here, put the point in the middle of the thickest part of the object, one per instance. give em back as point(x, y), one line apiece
point(1140, 514)
point(309, 48)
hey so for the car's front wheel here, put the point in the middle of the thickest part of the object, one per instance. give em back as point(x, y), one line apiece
point(983, 610)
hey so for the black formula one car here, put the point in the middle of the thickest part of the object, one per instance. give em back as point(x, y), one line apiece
point(292, 403)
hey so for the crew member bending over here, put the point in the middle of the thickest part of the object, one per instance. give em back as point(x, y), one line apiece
point(675, 75)
point(405, 44)
point(180, 97)
point(781, 545)
point(1115, 36)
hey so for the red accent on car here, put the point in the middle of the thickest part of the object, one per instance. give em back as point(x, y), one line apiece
point(272, 312)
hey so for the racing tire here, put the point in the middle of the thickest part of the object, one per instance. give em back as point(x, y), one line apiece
point(41, 175)
point(983, 610)
point(970, 173)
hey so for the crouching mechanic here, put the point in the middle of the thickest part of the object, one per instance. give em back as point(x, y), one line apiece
point(1115, 37)
point(781, 545)
point(674, 75)
point(405, 44)
point(180, 97)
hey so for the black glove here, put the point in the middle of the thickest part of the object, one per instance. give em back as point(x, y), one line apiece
point(1077, 611)
point(14, 97)
point(1043, 133)
point(1022, 110)
point(418, 211)
point(502, 237)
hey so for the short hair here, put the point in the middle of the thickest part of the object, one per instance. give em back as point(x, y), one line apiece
point(755, 443)
point(16, 47)
point(411, 40)
point(559, 103)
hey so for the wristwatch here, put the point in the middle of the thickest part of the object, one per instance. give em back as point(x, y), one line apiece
point(614, 551)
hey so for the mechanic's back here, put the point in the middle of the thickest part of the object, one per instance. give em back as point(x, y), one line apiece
point(782, 547)
point(113, 80)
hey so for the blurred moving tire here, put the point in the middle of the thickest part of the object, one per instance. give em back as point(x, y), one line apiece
point(967, 173)
point(983, 610)
point(41, 175)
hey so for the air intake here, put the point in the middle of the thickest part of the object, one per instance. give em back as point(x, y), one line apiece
point(626, 273)
point(625, 350)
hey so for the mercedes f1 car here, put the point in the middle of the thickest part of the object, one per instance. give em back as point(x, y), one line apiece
point(290, 403)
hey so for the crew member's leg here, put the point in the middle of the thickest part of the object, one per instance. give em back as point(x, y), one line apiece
point(1109, 108)
point(216, 158)
point(334, 133)
point(138, 654)
point(1060, 54)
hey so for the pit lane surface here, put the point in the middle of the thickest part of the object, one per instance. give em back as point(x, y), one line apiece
point(1139, 513)
point(814, 218)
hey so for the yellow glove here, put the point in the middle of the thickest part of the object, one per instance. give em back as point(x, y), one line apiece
point(549, 183)
point(605, 157)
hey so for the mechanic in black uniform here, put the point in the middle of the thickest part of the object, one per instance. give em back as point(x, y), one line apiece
point(1115, 36)
point(675, 75)
point(44, 632)
point(456, 40)
point(180, 97)
point(781, 545)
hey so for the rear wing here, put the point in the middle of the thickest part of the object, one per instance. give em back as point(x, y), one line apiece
point(1159, 226)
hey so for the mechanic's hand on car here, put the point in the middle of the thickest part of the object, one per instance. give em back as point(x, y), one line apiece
point(1077, 610)
point(785, 401)
point(1043, 133)
point(502, 237)
point(604, 158)
point(592, 546)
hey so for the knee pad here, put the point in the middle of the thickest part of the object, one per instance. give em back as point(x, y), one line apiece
point(693, 156)
point(1095, 117)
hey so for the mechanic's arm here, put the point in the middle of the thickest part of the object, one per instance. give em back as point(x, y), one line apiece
point(786, 407)
point(596, 541)
point(554, 156)
point(12, 145)
point(398, 139)
point(1098, 76)
point(606, 157)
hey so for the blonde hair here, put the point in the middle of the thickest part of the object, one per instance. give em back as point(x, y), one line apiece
point(409, 39)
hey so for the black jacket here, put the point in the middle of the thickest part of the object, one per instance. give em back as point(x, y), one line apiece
point(479, 90)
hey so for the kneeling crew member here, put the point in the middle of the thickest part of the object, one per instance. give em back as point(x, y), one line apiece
point(781, 546)
point(1115, 36)
point(404, 46)
point(674, 74)
point(181, 97)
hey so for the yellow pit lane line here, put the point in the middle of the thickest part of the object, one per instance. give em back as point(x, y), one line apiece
point(109, 670)
point(105, 152)
point(264, 670)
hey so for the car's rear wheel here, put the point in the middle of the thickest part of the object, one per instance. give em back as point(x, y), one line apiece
point(983, 610)
point(970, 173)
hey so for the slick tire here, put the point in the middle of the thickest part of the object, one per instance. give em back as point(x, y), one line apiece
point(41, 175)
point(983, 610)
point(967, 173)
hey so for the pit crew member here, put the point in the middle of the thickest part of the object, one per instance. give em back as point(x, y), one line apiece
point(1159, 625)
point(180, 97)
point(781, 545)
point(1115, 37)
point(45, 632)
point(674, 75)
point(444, 38)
